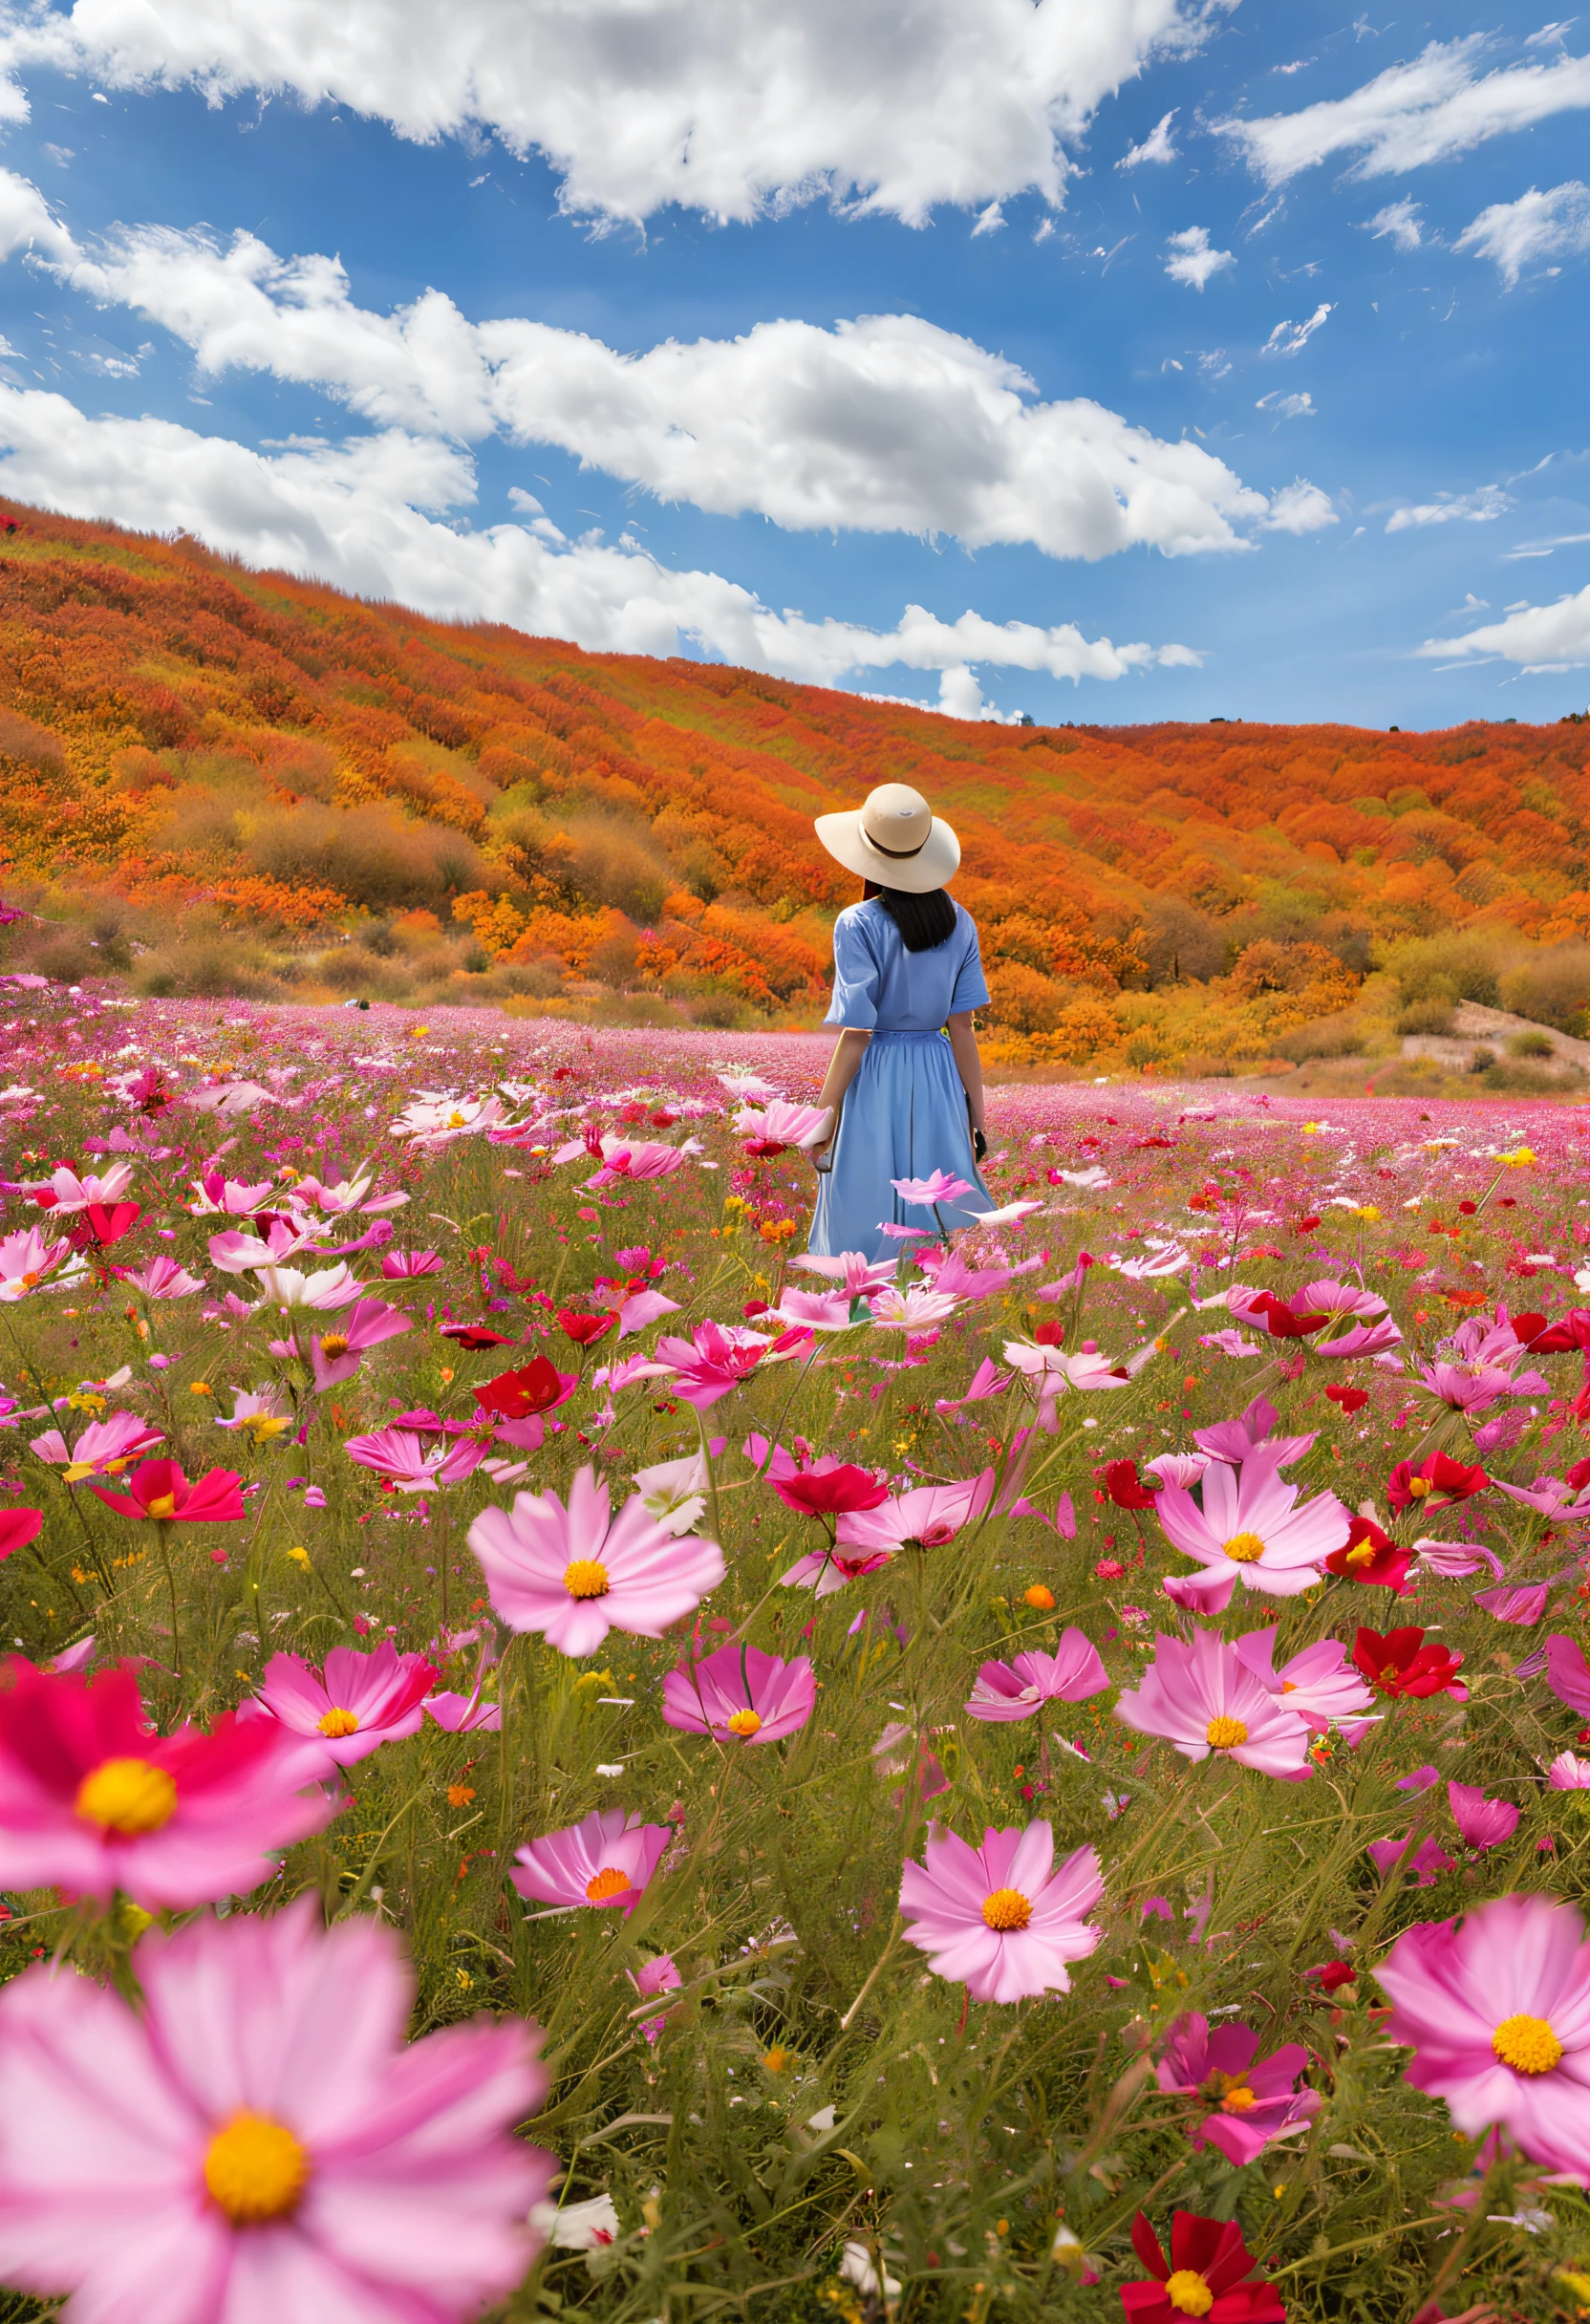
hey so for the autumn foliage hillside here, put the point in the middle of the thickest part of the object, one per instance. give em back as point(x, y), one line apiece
point(217, 780)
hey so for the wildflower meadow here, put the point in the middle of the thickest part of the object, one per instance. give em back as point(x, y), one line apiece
point(559, 1757)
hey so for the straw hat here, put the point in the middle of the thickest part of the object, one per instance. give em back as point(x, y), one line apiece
point(893, 838)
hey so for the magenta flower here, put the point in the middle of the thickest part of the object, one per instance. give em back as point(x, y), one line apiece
point(400, 1457)
point(1250, 1529)
point(1318, 1685)
point(717, 1360)
point(1016, 1690)
point(1497, 2009)
point(463, 1714)
point(1002, 1920)
point(658, 1975)
point(1250, 2104)
point(1549, 1497)
point(927, 1515)
point(1568, 1773)
point(1481, 1823)
point(1201, 1698)
point(606, 1860)
point(104, 1447)
point(352, 1707)
point(395, 1265)
point(1425, 1861)
point(740, 1693)
point(1237, 1440)
point(258, 2139)
point(26, 1260)
point(575, 1573)
point(334, 1356)
point(91, 1801)
point(852, 1271)
point(158, 1489)
point(1568, 1674)
point(162, 1279)
point(941, 1187)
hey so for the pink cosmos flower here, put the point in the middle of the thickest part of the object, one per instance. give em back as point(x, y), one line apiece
point(779, 1122)
point(232, 1198)
point(1481, 1823)
point(236, 1252)
point(102, 1449)
point(1549, 1497)
point(26, 1260)
point(258, 2137)
point(334, 1356)
point(399, 1265)
point(941, 1187)
point(819, 1311)
point(354, 1704)
point(403, 1460)
point(1250, 1529)
point(93, 1802)
point(852, 1271)
point(18, 1528)
point(1568, 1773)
point(1425, 1861)
point(985, 1381)
point(828, 1569)
point(1251, 2104)
point(257, 1413)
point(1520, 1602)
point(576, 1572)
point(1568, 1674)
point(1003, 1919)
point(637, 1158)
point(463, 1714)
point(162, 1279)
point(1201, 1698)
point(740, 1693)
point(158, 1489)
point(658, 1975)
point(1318, 1685)
point(1497, 2009)
point(1016, 1690)
point(347, 1196)
point(608, 1859)
point(713, 1363)
point(1237, 1440)
point(928, 1514)
point(64, 1193)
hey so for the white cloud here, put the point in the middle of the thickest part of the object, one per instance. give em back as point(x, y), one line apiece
point(1399, 223)
point(726, 106)
point(1480, 508)
point(363, 515)
point(883, 424)
point(1537, 225)
point(1194, 261)
point(1157, 146)
point(1537, 636)
point(1289, 339)
point(26, 221)
point(1425, 109)
point(1300, 507)
point(1287, 407)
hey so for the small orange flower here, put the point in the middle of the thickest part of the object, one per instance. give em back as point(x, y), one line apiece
point(1042, 1600)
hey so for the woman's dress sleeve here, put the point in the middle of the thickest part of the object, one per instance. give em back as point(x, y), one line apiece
point(855, 979)
point(970, 988)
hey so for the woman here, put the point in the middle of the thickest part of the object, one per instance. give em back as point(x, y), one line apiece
point(905, 1079)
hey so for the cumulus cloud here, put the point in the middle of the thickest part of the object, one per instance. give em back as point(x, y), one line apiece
point(1289, 339)
point(1300, 507)
point(883, 424)
point(26, 222)
point(1192, 262)
point(367, 516)
point(726, 106)
point(1519, 234)
point(1438, 104)
point(1480, 508)
point(1157, 146)
point(1541, 636)
point(1399, 223)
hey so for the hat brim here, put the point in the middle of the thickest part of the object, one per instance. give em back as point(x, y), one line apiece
point(934, 864)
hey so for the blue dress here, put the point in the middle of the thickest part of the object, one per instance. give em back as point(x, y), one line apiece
point(904, 1114)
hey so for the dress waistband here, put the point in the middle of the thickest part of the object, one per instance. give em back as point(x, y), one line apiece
point(892, 1032)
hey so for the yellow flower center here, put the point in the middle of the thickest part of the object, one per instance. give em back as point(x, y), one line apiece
point(335, 1722)
point(1363, 1554)
point(1527, 2044)
point(128, 1797)
point(255, 2170)
point(1225, 1735)
point(1289, 1686)
point(335, 1343)
point(1187, 2292)
point(1238, 2099)
point(586, 1577)
point(1007, 1908)
point(776, 2059)
point(1245, 1548)
point(605, 1885)
point(162, 1507)
point(746, 1724)
point(1418, 1487)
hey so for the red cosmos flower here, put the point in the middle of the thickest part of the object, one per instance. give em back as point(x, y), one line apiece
point(536, 1389)
point(473, 1336)
point(1124, 1487)
point(1306, 1226)
point(820, 1493)
point(103, 1223)
point(1049, 1334)
point(18, 1528)
point(1401, 1664)
point(1370, 1555)
point(158, 1489)
point(1281, 1322)
point(585, 1330)
point(1579, 1475)
point(1436, 1483)
point(1334, 1975)
point(1350, 1399)
point(1543, 1339)
point(1208, 2274)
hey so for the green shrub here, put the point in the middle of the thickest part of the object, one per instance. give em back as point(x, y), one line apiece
point(1553, 987)
point(1430, 1014)
point(1532, 1045)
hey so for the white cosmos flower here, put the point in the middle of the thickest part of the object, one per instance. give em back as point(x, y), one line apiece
point(335, 1286)
point(912, 1308)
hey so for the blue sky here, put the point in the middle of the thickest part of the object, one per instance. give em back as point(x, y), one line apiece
point(1102, 360)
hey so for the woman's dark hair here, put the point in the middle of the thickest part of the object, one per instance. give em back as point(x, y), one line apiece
point(924, 921)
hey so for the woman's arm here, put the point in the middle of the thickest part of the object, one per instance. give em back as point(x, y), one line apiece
point(844, 1065)
point(963, 1043)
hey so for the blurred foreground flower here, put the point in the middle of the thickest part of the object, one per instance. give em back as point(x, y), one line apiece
point(1003, 1919)
point(258, 2140)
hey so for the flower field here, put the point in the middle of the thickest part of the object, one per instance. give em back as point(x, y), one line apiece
point(557, 1759)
